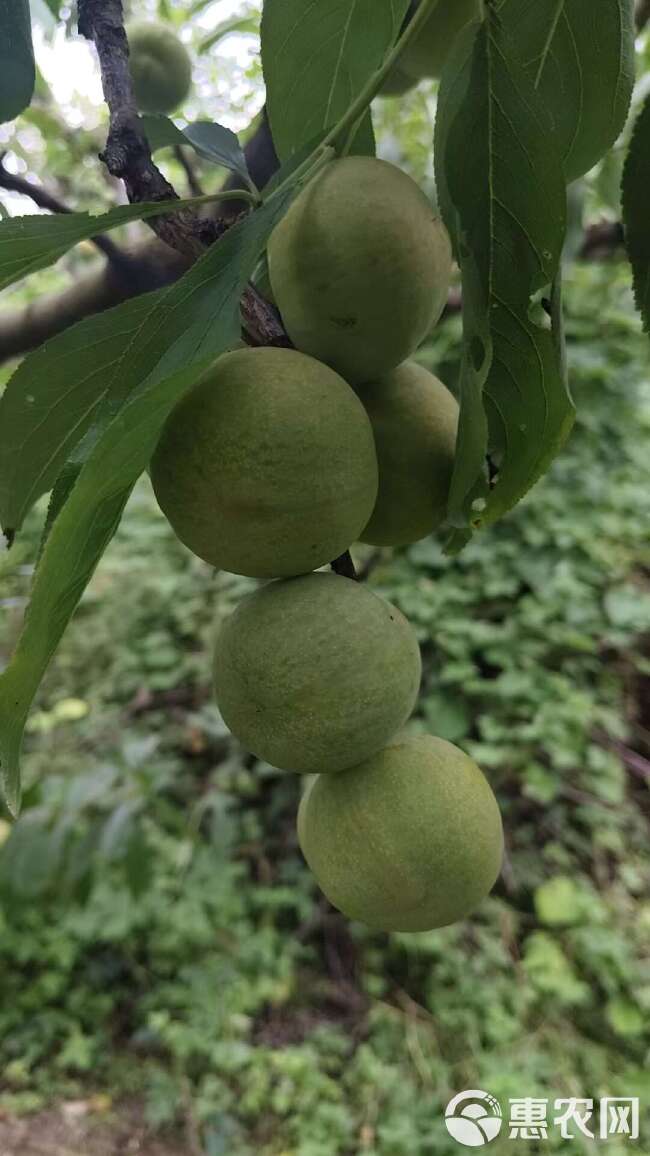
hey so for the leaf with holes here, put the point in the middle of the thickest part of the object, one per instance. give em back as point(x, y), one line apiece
point(581, 62)
point(316, 59)
point(17, 71)
point(190, 324)
point(636, 217)
point(508, 234)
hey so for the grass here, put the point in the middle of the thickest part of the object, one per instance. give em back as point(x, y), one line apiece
point(159, 933)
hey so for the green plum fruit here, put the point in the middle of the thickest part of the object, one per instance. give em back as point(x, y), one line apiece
point(268, 466)
point(360, 267)
point(410, 840)
point(313, 674)
point(161, 68)
point(427, 53)
point(414, 418)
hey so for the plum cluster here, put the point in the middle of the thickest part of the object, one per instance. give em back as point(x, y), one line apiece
point(272, 466)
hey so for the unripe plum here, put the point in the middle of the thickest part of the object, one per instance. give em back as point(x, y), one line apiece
point(315, 673)
point(410, 840)
point(360, 267)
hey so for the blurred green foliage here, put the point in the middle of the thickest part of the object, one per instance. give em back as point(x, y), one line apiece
point(159, 932)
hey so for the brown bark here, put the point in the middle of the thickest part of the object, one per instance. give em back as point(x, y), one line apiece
point(151, 265)
point(127, 155)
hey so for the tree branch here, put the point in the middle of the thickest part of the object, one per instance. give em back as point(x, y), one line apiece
point(127, 155)
point(46, 200)
point(150, 265)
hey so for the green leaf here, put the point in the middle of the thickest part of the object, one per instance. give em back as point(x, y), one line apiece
point(161, 132)
point(28, 244)
point(317, 57)
point(213, 142)
point(138, 863)
point(508, 237)
point(559, 902)
point(551, 972)
point(32, 856)
point(54, 397)
point(191, 323)
point(17, 72)
point(636, 218)
point(582, 64)
point(625, 1017)
point(45, 13)
point(291, 164)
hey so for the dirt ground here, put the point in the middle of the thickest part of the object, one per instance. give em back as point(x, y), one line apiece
point(77, 1128)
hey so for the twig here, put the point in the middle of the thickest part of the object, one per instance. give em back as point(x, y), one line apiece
point(52, 204)
point(127, 155)
point(261, 322)
point(634, 762)
point(193, 181)
point(151, 264)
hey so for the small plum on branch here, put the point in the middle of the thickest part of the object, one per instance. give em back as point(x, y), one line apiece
point(414, 419)
point(360, 267)
point(410, 840)
point(316, 673)
point(161, 68)
point(268, 466)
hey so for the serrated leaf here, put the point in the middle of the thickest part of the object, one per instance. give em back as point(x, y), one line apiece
point(218, 144)
point(579, 54)
point(504, 202)
point(636, 217)
point(192, 323)
point(28, 244)
point(316, 59)
point(213, 142)
point(54, 397)
point(17, 71)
